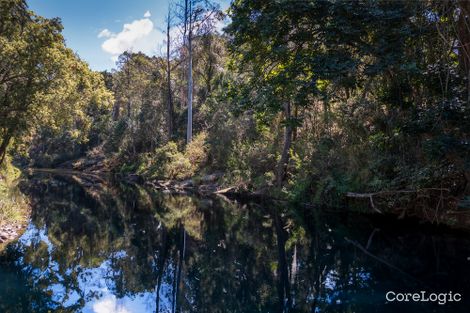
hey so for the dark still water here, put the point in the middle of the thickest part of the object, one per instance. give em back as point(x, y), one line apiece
point(103, 247)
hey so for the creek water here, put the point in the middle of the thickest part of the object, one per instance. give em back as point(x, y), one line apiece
point(94, 245)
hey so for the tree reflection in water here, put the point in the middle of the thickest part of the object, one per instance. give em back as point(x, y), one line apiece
point(98, 246)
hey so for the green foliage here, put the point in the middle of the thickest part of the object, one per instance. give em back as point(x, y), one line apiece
point(250, 164)
point(13, 205)
point(373, 111)
point(48, 94)
point(168, 162)
point(171, 162)
point(342, 96)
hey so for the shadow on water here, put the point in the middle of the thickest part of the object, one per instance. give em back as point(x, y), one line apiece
point(98, 246)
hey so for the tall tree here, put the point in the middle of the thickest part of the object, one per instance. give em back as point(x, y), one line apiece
point(140, 81)
point(197, 17)
point(288, 51)
point(189, 42)
point(41, 81)
point(170, 107)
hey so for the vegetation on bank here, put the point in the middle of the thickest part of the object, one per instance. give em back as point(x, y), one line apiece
point(14, 207)
point(309, 100)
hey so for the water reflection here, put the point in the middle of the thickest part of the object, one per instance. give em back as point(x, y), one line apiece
point(98, 246)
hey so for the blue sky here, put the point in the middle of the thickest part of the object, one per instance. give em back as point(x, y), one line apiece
point(99, 30)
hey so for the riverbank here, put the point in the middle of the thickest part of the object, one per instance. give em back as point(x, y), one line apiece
point(14, 206)
point(432, 210)
point(170, 171)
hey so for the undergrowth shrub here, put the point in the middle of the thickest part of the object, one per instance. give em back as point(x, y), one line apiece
point(251, 164)
point(167, 162)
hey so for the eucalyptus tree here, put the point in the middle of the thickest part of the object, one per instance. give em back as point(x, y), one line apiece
point(170, 106)
point(196, 18)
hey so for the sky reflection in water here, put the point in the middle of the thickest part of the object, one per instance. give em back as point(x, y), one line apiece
point(104, 247)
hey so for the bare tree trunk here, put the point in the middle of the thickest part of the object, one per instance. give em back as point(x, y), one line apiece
point(168, 78)
point(282, 166)
point(128, 78)
point(189, 134)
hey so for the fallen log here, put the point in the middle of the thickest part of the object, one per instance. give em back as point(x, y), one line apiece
point(371, 195)
point(364, 195)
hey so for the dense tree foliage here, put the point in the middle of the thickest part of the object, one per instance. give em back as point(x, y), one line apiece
point(378, 89)
point(46, 90)
point(312, 99)
point(316, 101)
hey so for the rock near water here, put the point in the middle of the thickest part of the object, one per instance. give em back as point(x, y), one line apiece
point(9, 232)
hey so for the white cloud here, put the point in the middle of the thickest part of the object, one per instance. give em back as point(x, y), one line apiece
point(220, 25)
point(109, 305)
point(147, 14)
point(105, 33)
point(137, 36)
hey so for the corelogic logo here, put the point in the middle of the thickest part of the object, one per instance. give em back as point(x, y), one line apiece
point(423, 296)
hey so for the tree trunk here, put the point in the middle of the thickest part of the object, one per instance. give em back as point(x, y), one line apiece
point(285, 298)
point(5, 142)
point(467, 181)
point(463, 34)
point(282, 166)
point(116, 110)
point(160, 267)
point(168, 80)
point(177, 281)
point(189, 134)
point(4, 146)
point(296, 116)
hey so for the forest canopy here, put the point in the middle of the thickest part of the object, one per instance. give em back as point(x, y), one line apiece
point(308, 99)
point(44, 84)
